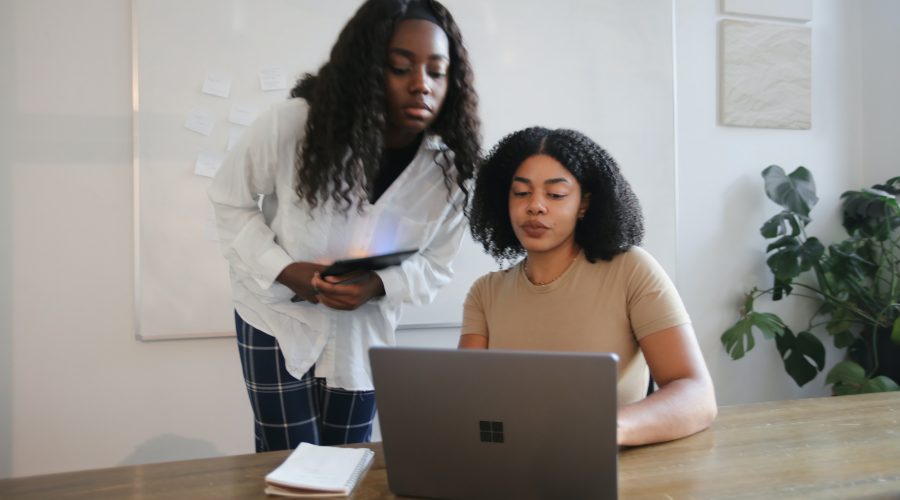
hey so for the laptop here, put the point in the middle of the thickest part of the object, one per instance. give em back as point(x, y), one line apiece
point(497, 424)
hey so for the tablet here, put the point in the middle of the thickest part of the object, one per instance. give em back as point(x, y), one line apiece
point(373, 263)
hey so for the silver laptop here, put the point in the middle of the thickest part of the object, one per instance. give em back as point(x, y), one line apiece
point(497, 424)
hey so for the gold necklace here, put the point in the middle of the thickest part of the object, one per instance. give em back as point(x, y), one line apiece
point(545, 283)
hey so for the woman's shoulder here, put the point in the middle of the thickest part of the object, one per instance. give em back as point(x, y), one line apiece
point(636, 256)
point(637, 265)
point(633, 259)
point(492, 280)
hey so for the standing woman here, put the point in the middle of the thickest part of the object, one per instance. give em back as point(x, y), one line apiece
point(559, 199)
point(371, 155)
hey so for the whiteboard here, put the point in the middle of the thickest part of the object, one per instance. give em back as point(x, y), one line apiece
point(603, 67)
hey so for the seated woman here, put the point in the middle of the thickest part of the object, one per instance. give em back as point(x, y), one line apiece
point(557, 198)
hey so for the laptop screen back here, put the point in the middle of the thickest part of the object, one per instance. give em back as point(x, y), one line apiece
point(497, 424)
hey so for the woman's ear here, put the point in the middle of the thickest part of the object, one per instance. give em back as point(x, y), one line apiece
point(585, 203)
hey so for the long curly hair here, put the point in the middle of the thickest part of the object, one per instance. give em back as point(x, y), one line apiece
point(613, 221)
point(344, 142)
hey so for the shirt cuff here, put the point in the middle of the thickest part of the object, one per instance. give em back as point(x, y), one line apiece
point(392, 279)
point(269, 265)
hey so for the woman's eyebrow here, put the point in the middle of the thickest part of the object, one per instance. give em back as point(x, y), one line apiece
point(555, 180)
point(412, 55)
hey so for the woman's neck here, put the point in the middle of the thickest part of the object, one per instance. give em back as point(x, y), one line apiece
point(398, 139)
point(543, 268)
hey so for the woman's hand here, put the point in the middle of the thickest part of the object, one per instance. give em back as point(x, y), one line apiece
point(298, 276)
point(349, 291)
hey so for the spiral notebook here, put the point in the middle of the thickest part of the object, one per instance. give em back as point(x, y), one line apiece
point(312, 471)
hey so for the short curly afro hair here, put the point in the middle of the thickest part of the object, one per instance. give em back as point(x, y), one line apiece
point(613, 222)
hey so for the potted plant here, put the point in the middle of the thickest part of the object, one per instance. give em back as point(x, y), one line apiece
point(854, 284)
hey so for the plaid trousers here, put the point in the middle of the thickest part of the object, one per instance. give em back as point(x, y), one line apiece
point(289, 411)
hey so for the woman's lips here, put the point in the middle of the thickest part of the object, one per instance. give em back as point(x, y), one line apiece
point(534, 229)
point(417, 111)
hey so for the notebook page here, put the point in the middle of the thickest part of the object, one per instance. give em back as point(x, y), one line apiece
point(322, 468)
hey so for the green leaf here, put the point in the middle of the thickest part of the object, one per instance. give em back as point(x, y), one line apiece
point(859, 384)
point(785, 243)
point(795, 192)
point(843, 339)
point(810, 253)
point(870, 212)
point(846, 372)
point(811, 347)
point(739, 338)
point(785, 265)
point(841, 319)
point(803, 355)
point(770, 325)
point(880, 384)
point(895, 332)
point(844, 390)
point(772, 227)
point(783, 223)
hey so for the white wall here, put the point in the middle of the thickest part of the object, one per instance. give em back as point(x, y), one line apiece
point(881, 100)
point(721, 199)
point(77, 391)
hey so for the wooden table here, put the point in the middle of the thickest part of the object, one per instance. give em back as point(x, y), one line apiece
point(841, 447)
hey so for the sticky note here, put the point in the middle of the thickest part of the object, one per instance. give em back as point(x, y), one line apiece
point(273, 78)
point(201, 121)
point(242, 114)
point(208, 164)
point(218, 84)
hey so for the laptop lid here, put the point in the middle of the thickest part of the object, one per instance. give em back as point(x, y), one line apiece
point(497, 424)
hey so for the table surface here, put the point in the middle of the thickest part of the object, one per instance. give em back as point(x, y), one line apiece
point(836, 447)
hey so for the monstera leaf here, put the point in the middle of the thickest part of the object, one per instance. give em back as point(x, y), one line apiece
point(803, 355)
point(739, 338)
point(872, 212)
point(795, 192)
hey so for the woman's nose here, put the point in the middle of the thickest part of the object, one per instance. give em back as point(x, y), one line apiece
point(536, 206)
point(419, 82)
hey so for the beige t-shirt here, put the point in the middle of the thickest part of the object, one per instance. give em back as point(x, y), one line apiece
point(606, 306)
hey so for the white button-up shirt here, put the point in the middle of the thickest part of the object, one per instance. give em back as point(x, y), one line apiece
point(263, 226)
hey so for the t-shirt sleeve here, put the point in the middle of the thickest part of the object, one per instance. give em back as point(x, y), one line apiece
point(653, 302)
point(474, 310)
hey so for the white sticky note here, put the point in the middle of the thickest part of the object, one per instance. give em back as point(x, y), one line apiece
point(218, 84)
point(273, 78)
point(208, 164)
point(233, 137)
point(242, 114)
point(201, 121)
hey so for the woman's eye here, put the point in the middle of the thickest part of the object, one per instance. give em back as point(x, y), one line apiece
point(556, 196)
point(437, 74)
point(520, 194)
point(398, 71)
